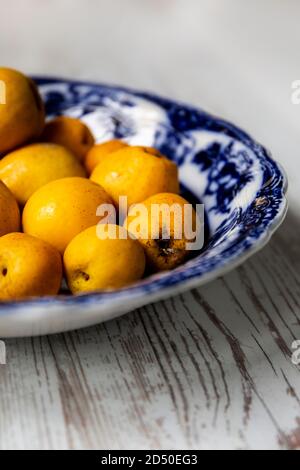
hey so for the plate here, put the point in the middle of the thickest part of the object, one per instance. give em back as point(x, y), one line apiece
point(241, 186)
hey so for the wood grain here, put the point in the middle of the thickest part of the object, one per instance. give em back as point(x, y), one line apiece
point(208, 369)
point(211, 368)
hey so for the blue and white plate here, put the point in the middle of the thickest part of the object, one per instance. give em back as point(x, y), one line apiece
point(242, 188)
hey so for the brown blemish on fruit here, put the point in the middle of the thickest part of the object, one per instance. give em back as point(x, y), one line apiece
point(165, 247)
point(83, 275)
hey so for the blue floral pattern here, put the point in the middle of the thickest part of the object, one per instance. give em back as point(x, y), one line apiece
point(242, 188)
point(228, 172)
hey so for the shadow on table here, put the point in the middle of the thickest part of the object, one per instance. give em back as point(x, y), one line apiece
point(284, 248)
point(287, 238)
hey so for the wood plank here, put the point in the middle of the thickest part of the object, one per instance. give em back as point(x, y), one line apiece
point(206, 369)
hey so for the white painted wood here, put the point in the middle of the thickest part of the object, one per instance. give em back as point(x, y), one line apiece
point(212, 368)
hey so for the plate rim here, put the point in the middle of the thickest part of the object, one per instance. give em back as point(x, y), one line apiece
point(115, 297)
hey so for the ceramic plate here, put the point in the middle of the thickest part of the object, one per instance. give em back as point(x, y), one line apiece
point(242, 188)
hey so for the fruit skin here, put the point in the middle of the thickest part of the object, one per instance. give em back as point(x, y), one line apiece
point(60, 210)
point(163, 253)
point(27, 169)
point(22, 118)
point(29, 267)
point(96, 264)
point(71, 133)
point(136, 172)
point(10, 219)
point(97, 152)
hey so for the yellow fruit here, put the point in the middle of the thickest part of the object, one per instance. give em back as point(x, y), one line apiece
point(71, 133)
point(29, 267)
point(60, 210)
point(27, 169)
point(94, 262)
point(163, 237)
point(22, 116)
point(96, 153)
point(9, 211)
point(136, 172)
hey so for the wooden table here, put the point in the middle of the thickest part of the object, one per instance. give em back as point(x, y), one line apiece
point(211, 368)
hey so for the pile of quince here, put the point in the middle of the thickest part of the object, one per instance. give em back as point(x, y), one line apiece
point(53, 178)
